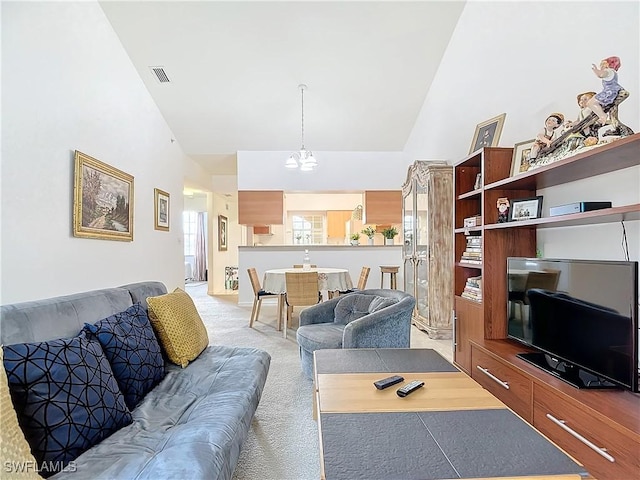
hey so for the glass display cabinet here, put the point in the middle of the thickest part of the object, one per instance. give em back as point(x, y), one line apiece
point(427, 226)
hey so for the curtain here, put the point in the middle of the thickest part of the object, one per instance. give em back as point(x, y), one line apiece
point(200, 270)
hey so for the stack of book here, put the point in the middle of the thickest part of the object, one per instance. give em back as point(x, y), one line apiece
point(473, 289)
point(473, 252)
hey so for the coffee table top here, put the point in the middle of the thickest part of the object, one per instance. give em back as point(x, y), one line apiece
point(450, 428)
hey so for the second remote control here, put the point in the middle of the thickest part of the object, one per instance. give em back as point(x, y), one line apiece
point(387, 382)
point(409, 387)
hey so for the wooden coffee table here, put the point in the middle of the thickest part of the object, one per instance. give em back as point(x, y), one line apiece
point(450, 428)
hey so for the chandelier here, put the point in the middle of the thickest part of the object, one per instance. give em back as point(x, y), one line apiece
point(304, 158)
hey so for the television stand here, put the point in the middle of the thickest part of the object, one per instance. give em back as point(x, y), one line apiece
point(565, 371)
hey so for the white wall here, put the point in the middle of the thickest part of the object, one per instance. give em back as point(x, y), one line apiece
point(68, 84)
point(347, 171)
point(530, 59)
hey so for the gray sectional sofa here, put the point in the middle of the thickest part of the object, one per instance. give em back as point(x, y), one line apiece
point(190, 426)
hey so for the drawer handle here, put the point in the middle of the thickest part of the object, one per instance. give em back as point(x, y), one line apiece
point(601, 451)
point(493, 377)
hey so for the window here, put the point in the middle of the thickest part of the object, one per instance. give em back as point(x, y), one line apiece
point(189, 220)
point(307, 229)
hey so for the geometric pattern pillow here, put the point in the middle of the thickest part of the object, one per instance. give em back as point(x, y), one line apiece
point(14, 449)
point(66, 397)
point(133, 351)
point(180, 329)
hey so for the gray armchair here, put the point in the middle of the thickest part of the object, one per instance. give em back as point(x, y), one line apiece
point(373, 318)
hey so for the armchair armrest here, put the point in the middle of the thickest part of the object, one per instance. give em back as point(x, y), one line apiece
point(320, 313)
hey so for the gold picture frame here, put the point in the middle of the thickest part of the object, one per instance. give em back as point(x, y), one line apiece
point(102, 200)
point(520, 160)
point(488, 133)
point(222, 233)
point(161, 209)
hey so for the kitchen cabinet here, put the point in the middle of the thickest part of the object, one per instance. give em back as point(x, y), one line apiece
point(382, 206)
point(257, 207)
point(336, 223)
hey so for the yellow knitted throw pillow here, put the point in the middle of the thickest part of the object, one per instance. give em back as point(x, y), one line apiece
point(178, 326)
point(16, 460)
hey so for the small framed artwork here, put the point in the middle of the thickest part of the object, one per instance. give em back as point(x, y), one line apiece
point(222, 233)
point(488, 133)
point(161, 210)
point(102, 200)
point(525, 209)
point(520, 161)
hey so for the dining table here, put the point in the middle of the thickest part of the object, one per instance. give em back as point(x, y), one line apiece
point(329, 280)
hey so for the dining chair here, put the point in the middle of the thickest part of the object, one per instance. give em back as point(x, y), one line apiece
point(258, 295)
point(299, 265)
point(362, 283)
point(302, 291)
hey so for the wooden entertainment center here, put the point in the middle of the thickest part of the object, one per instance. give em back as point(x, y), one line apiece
point(600, 428)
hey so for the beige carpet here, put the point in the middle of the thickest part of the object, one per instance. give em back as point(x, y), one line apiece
point(283, 440)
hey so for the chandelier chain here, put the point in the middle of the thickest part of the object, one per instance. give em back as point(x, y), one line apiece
point(302, 93)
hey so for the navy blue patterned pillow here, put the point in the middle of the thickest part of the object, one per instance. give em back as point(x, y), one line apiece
point(133, 351)
point(65, 395)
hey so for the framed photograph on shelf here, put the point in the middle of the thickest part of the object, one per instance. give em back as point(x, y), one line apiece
point(525, 209)
point(520, 161)
point(488, 133)
point(102, 200)
point(222, 233)
point(161, 210)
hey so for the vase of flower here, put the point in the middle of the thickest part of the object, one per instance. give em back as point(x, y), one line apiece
point(355, 239)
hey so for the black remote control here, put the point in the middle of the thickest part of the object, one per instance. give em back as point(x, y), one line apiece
point(387, 382)
point(409, 387)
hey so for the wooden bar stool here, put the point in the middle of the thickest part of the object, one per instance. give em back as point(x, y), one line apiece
point(392, 271)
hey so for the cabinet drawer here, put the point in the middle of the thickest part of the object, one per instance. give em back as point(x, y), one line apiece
point(582, 433)
point(510, 386)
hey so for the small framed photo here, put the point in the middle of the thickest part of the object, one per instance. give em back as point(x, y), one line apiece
point(488, 133)
point(520, 161)
point(525, 209)
point(222, 233)
point(102, 200)
point(161, 209)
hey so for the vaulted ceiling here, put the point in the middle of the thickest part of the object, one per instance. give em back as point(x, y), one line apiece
point(234, 70)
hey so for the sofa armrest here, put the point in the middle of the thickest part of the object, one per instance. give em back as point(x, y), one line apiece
point(320, 313)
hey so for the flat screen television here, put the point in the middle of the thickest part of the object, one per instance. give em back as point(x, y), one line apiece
point(581, 317)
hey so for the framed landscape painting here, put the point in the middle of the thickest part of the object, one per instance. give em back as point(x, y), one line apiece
point(487, 133)
point(102, 200)
point(161, 209)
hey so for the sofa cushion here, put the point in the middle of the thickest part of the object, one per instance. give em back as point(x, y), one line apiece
point(133, 351)
point(379, 303)
point(14, 449)
point(65, 395)
point(353, 307)
point(192, 425)
point(178, 325)
point(322, 335)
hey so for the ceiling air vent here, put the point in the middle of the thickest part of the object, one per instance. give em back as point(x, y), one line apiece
point(160, 74)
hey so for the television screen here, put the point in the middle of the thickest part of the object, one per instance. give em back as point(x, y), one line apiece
point(581, 315)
